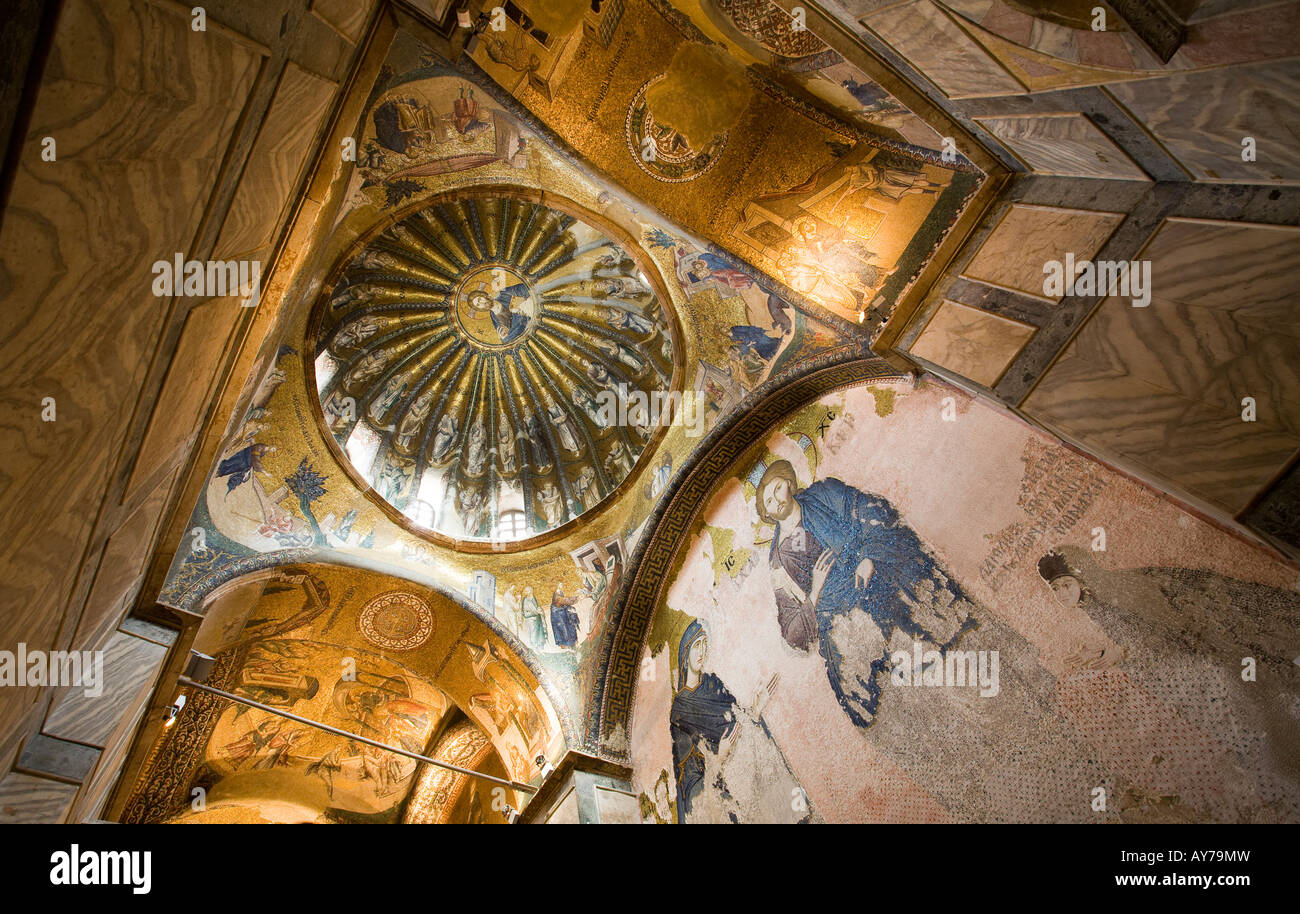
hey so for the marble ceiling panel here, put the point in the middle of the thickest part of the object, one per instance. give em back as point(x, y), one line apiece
point(1027, 237)
point(934, 43)
point(1204, 118)
point(1065, 144)
point(973, 343)
point(186, 387)
point(1166, 385)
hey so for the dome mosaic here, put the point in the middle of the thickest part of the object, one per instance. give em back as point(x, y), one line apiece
point(472, 359)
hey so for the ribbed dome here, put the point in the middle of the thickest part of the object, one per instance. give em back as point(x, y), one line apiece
point(462, 357)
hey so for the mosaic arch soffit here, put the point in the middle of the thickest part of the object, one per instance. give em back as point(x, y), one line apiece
point(227, 576)
point(651, 565)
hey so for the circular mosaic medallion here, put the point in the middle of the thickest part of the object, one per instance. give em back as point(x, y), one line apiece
point(495, 305)
point(661, 151)
point(396, 621)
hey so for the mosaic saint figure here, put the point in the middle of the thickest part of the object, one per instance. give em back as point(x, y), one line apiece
point(616, 287)
point(615, 262)
point(621, 319)
point(444, 438)
point(369, 365)
point(414, 419)
point(266, 745)
point(709, 729)
point(878, 106)
point(585, 402)
point(355, 333)
point(509, 324)
point(565, 428)
point(392, 480)
point(551, 501)
point(585, 490)
point(514, 609)
point(240, 466)
point(618, 461)
point(564, 619)
point(705, 266)
point(533, 443)
point(534, 629)
point(848, 573)
point(601, 376)
point(394, 390)
point(506, 450)
point(472, 507)
point(889, 181)
point(476, 451)
point(830, 269)
point(623, 354)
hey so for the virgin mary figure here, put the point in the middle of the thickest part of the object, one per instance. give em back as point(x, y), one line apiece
point(725, 761)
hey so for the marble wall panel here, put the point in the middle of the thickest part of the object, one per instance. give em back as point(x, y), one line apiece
point(940, 49)
point(1163, 386)
point(141, 109)
point(301, 102)
point(347, 17)
point(1013, 255)
point(120, 567)
point(27, 799)
point(1201, 118)
point(130, 665)
point(179, 408)
point(1063, 144)
point(973, 343)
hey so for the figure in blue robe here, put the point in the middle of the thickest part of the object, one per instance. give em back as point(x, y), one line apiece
point(843, 526)
point(701, 717)
point(564, 619)
point(705, 266)
point(241, 465)
point(509, 324)
point(754, 339)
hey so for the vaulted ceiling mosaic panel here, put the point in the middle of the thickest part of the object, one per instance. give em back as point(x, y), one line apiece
point(369, 655)
point(462, 296)
point(797, 160)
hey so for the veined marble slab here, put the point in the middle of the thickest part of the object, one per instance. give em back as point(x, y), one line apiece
point(1065, 144)
point(1202, 118)
point(1164, 385)
point(939, 48)
point(1027, 237)
point(973, 343)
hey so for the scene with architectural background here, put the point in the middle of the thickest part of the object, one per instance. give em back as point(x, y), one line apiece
point(650, 411)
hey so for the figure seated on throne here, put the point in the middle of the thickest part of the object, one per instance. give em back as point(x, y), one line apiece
point(824, 235)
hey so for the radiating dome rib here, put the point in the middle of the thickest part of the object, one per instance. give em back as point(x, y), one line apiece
point(469, 350)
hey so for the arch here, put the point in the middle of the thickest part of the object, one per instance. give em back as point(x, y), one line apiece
point(364, 652)
point(659, 552)
point(256, 566)
point(442, 796)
